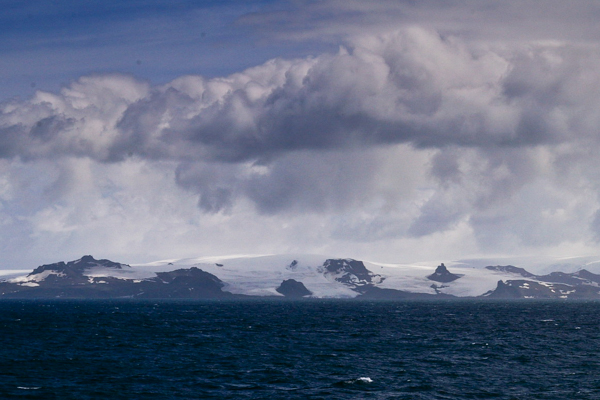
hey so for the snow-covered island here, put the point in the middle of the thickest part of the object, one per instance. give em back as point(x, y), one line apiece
point(293, 276)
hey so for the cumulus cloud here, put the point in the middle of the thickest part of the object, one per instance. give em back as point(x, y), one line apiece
point(412, 86)
point(401, 135)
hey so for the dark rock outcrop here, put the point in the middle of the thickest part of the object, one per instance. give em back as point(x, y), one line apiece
point(556, 285)
point(350, 272)
point(69, 280)
point(526, 289)
point(510, 269)
point(293, 265)
point(504, 291)
point(62, 273)
point(561, 277)
point(442, 274)
point(192, 283)
point(587, 275)
point(293, 288)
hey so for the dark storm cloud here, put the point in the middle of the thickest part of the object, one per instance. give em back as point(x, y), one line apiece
point(471, 183)
point(296, 182)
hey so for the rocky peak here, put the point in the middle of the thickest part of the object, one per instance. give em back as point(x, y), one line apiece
point(350, 272)
point(75, 268)
point(585, 274)
point(442, 274)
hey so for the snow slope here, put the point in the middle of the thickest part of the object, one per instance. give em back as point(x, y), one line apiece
point(413, 278)
point(261, 275)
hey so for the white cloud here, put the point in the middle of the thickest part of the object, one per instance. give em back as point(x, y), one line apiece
point(400, 145)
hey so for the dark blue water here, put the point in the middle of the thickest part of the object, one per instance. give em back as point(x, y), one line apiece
point(299, 350)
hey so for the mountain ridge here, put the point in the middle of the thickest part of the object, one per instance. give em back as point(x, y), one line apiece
point(299, 276)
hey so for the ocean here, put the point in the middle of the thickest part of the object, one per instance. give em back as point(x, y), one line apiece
point(313, 349)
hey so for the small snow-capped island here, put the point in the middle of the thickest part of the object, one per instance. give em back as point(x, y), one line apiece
point(291, 276)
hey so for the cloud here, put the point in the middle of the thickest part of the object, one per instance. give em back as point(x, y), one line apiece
point(412, 86)
point(297, 182)
point(396, 137)
point(474, 20)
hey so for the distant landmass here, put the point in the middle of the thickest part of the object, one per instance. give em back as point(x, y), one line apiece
point(300, 276)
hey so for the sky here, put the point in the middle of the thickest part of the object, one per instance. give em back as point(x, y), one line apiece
point(391, 131)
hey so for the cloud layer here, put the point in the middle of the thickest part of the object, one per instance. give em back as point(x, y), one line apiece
point(398, 137)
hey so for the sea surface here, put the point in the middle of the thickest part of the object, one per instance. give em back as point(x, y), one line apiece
point(321, 349)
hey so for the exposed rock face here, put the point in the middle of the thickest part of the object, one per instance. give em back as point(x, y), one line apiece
point(183, 283)
point(69, 280)
point(505, 291)
point(61, 273)
point(442, 274)
point(510, 269)
point(293, 265)
point(576, 278)
point(293, 288)
point(438, 288)
point(350, 272)
point(524, 289)
point(587, 275)
point(556, 285)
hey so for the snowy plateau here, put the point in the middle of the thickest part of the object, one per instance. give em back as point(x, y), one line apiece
point(305, 276)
